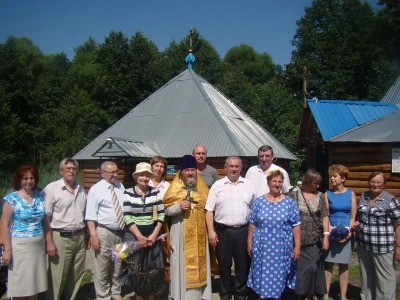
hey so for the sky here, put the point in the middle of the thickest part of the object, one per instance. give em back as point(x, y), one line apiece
point(62, 25)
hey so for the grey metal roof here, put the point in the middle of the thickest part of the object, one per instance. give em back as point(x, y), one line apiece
point(393, 94)
point(383, 130)
point(185, 112)
point(117, 147)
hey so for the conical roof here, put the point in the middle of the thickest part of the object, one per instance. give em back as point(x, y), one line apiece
point(185, 112)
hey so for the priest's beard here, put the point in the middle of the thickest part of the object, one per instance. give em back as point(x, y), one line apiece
point(189, 181)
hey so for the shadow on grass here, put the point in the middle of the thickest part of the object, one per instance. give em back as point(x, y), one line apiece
point(87, 292)
point(353, 291)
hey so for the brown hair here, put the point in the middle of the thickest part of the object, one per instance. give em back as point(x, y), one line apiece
point(19, 173)
point(162, 160)
point(376, 173)
point(274, 173)
point(265, 148)
point(311, 176)
point(339, 169)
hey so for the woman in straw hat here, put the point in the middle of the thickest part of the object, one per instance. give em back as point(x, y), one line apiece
point(144, 215)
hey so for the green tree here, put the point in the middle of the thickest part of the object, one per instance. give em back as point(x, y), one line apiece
point(79, 120)
point(243, 72)
point(208, 62)
point(147, 69)
point(10, 128)
point(115, 59)
point(258, 68)
point(335, 41)
point(21, 67)
point(50, 91)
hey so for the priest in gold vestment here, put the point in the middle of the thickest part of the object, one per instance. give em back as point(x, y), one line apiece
point(189, 254)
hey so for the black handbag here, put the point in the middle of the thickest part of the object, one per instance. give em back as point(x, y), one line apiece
point(147, 282)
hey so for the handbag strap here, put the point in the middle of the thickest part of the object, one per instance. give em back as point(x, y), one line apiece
point(309, 211)
point(142, 257)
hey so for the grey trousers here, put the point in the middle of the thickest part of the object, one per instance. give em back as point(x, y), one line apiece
point(378, 276)
point(105, 271)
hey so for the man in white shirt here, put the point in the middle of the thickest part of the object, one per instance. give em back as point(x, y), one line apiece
point(258, 174)
point(106, 230)
point(228, 204)
point(65, 202)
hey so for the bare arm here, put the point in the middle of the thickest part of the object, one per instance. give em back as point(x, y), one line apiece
point(250, 239)
point(297, 241)
point(353, 210)
point(48, 234)
point(151, 239)
point(397, 249)
point(212, 235)
point(6, 225)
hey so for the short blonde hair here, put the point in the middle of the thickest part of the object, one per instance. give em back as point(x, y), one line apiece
point(338, 169)
point(274, 173)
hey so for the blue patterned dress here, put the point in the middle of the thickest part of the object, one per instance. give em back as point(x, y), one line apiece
point(272, 267)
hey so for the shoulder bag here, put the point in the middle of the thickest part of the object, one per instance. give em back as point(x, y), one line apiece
point(147, 282)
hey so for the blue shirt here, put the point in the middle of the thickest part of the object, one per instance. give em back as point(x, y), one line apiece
point(27, 218)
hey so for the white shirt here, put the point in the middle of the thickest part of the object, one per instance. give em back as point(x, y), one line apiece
point(259, 178)
point(162, 187)
point(65, 209)
point(231, 201)
point(100, 208)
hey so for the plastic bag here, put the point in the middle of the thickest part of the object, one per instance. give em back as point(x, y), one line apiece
point(339, 233)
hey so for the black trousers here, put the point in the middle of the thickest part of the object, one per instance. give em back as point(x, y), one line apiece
point(232, 243)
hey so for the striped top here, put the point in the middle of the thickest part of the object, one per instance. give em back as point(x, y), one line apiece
point(139, 211)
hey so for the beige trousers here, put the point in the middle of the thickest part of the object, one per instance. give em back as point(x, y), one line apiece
point(107, 272)
point(66, 270)
point(378, 276)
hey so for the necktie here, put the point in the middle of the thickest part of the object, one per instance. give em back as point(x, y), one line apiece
point(117, 208)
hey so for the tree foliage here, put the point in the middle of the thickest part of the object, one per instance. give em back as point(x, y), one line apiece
point(208, 62)
point(336, 41)
point(52, 106)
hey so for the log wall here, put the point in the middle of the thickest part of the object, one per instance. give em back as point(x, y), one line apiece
point(90, 174)
point(363, 158)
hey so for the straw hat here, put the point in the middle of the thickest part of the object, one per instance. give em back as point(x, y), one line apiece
point(143, 168)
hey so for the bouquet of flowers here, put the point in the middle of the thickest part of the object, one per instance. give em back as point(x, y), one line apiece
point(339, 233)
point(124, 250)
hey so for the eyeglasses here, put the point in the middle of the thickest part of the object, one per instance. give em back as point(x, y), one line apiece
point(112, 172)
point(71, 169)
point(378, 183)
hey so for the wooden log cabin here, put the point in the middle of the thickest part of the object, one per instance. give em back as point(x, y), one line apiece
point(185, 112)
point(358, 135)
point(91, 168)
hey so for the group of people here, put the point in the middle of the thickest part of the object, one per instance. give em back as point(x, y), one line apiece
point(275, 237)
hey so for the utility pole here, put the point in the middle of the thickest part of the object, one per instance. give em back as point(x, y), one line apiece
point(305, 74)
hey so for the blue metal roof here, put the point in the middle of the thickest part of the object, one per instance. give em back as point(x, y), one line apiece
point(334, 117)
